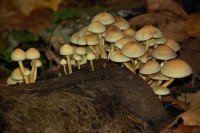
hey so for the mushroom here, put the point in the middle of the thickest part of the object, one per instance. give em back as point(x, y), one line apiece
point(173, 45)
point(160, 90)
point(67, 50)
point(10, 81)
point(121, 42)
point(175, 68)
point(133, 50)
point(82, 31)
point(26, 74)
point(91, 57)
point(38, 64)
point(63, 62)
point(104, 17)
point(74, 37)
point(78, 59)
point(98, 27)
point(150, 67)
point(17, 75)
point(159, 77)
point(118, 56)
point(19, 55)
point(32, 54)
point(146, 33)
point(129, 32)
point(122, 23)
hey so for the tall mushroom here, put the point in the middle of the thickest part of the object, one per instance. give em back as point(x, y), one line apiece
point(32, 54)
point(91, 57)
point(63, 62)
point(38, 63)
point(67, 50)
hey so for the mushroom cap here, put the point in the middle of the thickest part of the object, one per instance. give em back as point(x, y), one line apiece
point(110, 27)
point(161, 90)
point(66, 49)
point(173, 45)
point(81, 50)
point(16, 74)
point(26, 72)
point(92, 39)
point(159, 76)
point(96, 27)
point(81, 41)
point(113, 35)
point(63, 62)
point(18, 55)
point(147, 32)
point(90, 56)
point(163, 52)
point(145, 57)
point(104, 17)
point(77, 57)
point(74, 37)
point(73, 62)
point(176, 68)
point(121, 23)
point(32, 54)
point(155, 41)
point(133, 49)
point(121, 42)
point(150, 67)
point(129, 32)
point(38, 63)
point(82, 31)
point(10, 81)
point(118, 56)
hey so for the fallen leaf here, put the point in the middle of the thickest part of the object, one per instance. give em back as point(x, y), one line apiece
point(57, 42)
point(170, 26)
point(193, 24)
point(167, 6)
point(189, 120)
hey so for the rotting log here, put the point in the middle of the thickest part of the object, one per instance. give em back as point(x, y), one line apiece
point(114, 81)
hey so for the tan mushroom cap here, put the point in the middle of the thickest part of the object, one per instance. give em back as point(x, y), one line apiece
point(38, 63)
point(173, 45)
point(163, 52)
point(81, 41)
point(113, 35)
point(77, 57)
point(16, 74)
point(74, 37)
point(26, 72)
point(176, 68)
point(155, 41)
point(104, 17)
point(82, 31)
point(145, 57)
point(90, 56)
point(66, 49)
point(110, 27)
point(161, 90)
point(63, 62)
point(133, 49)
point(18, 55)
point(121, 42)
point(32, 53)
point(147, 32)
point(92, 39)
point(121, 23)
point(118, 56)
point(159, 76)
point(11, 81)
point(129, 32)
point(81, 50)
point(150, 67)
point(96, 27)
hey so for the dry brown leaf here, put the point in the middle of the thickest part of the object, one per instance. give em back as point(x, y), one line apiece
point(190, 118)
point(167, 6)
point(171, 27)
point(193, 24)
point(57, 42)
point(27, 6)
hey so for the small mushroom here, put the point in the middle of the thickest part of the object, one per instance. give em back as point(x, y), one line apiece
point(26, 73)
point(160, 90)
point(78, 59)
point(91, 57)
point(38, 64)
point(10, 81)
point(63, 62)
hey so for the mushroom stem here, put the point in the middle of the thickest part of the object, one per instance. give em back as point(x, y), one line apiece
point(78, 62)
point(148, 78)
point(69, 64)
point(159, 96)
point(103, 52)
point(32, 71)
point(147, 45)
point(168, 82)
point(91, 63)
point(26, 79)
point(150, 82)
point(112, 48)
point(21, 66)
point(157, 83)
point(65, 69)
point(133, 63)
point(35, 74)
point(95, 52)
point(129, 67)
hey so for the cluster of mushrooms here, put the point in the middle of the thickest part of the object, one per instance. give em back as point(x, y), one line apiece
point(146, 52)
point(22, 74)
